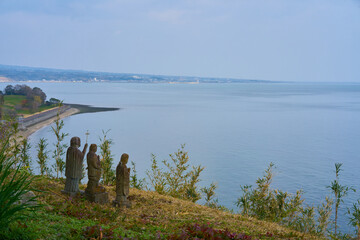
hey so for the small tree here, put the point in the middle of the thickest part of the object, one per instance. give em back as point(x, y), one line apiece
point(42, 155)
point(273, 205)
point(59, 145)
point(108, 174)
point(25, 160)
point(156, 176)
point(244, 201)
point(135, 182)
point(324, 214)
point(354, 219)
point(177, 181)
point(339, 191)
point(15, 148)
point(14, 184)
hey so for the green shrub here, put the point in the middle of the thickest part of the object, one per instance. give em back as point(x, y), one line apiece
point(265, 203)
point(339, 191)
point(177, 180)
point(135, 182)
point(60, 147)
point(42, 156)
point(108, 174)
point(25, 159)
point(354, 217)
point(275, 205)
point(14, 184)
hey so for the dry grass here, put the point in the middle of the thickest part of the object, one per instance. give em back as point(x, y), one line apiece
point(152, 212)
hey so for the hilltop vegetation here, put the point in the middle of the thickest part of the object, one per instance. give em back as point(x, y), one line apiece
point(152, 216)
point(22, 99)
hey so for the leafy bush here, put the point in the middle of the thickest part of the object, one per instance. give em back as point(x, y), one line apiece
point(210, 199)
point(14, 184)
point(278, 206)
point(25, 159)
point(108, 174)
point(42, 156)
point(177, 180)
point(354, 217)
point(135, 182)
point(60, 147)
point(339, 191)
point(268, 204)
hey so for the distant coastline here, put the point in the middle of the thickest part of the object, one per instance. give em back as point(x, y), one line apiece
point(73, 110)
point(35, 74)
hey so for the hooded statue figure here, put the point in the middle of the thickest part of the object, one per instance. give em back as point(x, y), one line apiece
point(94, 171)
point(122, 182)
point(74, 165)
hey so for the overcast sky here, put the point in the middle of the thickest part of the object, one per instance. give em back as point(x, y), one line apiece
point(285, 40)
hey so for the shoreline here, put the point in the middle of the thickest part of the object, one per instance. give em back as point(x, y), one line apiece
point(73, 110)
point(36, 127)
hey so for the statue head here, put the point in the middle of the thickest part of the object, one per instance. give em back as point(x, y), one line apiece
point(124, 158)
point(75, 142)
point(93, 148)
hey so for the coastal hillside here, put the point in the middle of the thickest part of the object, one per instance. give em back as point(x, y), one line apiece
point(152, 216)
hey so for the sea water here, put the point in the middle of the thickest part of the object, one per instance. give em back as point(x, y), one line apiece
point(234, 130)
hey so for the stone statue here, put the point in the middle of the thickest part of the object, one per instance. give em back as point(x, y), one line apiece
point(94, 171)
point(74, 165)
point(94, 192)
point(122, 182)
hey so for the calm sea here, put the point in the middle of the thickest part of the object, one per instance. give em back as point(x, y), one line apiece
point(234, 130)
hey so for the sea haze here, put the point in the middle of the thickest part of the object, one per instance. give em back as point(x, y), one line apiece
point(235, 130)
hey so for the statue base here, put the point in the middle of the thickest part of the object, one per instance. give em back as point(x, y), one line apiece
point(120, 204)
point(72, 194)
point(101, 198)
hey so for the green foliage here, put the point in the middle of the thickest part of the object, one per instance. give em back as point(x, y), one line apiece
point(306, 222)
point(268, 204)
point(134, 181)
point(209, 193)
point(97, 232)
point(324, 214)
point(354, 217)
point(156, 176)
point(210, 199)
point(108, 174)
point(282, 207)
point(339, 191)
point(42, 156)
point(60, 147)
point(177, 180)
point(18, 231)
point(25, 160)
point(14, 184)
point(244, 201)
point(197, 231)
point(15, 147)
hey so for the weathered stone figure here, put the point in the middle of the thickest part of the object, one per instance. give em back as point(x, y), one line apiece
point(74, 164)
point(94, 192)
point(94, 171)
point(122, 182)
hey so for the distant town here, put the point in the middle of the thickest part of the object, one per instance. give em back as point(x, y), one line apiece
point(32, 74)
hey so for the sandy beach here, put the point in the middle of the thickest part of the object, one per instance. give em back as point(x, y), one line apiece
point(30, 130)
